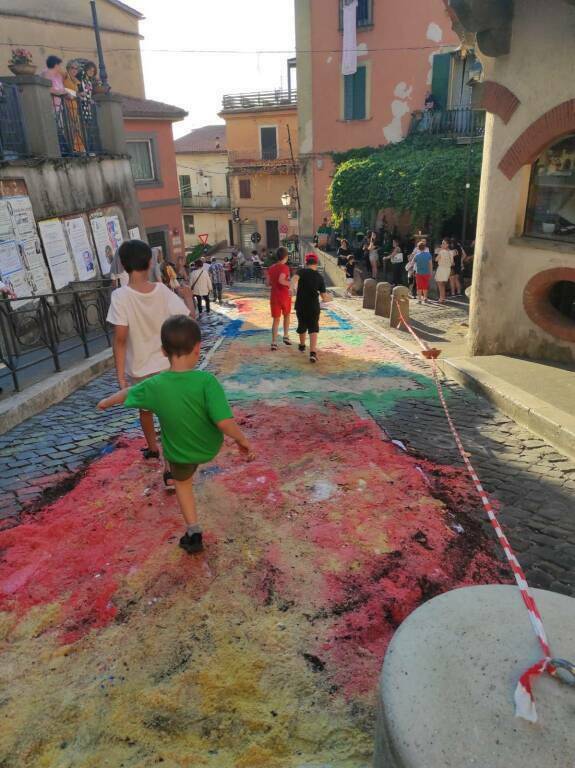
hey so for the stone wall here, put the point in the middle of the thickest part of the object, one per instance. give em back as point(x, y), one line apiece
point(540, 73)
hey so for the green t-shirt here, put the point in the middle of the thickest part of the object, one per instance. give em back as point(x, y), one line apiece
point(188, 405)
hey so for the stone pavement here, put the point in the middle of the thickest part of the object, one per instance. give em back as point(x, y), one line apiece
point(41, 456)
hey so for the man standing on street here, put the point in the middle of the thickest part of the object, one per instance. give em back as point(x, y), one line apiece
point(310, 286)
point(280, 297)
point(217, 275)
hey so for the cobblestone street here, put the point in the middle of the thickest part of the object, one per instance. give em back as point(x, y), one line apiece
point(315, 554)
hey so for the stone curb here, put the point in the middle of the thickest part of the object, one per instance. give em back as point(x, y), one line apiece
point(551, 424)
point(33, 400)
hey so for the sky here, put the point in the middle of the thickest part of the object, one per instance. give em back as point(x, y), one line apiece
point(197, 81)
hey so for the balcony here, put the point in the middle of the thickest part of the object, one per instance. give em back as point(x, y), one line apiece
point(459, 122)
point(206, 202)
point(245, 102)
point(278, 159)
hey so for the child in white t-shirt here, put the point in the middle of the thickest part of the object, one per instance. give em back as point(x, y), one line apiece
point(137, 311)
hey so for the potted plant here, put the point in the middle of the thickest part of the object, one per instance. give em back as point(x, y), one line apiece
point(100, 88)
point(21, 62)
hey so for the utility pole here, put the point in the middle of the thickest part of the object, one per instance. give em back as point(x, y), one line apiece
point(294, 170)
point(101, 62)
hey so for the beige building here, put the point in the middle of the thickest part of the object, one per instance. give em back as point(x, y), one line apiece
point(64, 28)
point(261, 167)
point(203, 174)
point(523, 299)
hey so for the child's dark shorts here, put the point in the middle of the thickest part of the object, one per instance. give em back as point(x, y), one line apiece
point(182, 472)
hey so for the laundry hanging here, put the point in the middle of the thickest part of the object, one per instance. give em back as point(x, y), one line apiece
point(349, 54)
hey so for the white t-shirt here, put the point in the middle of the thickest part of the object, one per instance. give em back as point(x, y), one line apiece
point(144, 314)
point(200, 282)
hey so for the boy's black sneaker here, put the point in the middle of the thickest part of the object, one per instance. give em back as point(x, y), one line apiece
point(301, 347)
point(192, 544)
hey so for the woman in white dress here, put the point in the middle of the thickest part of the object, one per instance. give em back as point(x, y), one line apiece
point(444, 258)
point(373, 253)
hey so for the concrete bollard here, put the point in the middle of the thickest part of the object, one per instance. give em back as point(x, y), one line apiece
point(369, 287)
point(446, 689)
point(399, 295)
point(358, 281)
point(383, 299)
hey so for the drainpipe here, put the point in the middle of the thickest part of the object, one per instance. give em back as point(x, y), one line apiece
point(101, 63)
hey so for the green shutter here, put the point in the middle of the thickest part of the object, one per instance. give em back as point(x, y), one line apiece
point(359, 110)
point(355, 95)
point(440, 78)
point(348, 97)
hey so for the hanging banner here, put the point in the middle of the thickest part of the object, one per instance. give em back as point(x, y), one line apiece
point(57, 253)
point(81, 247)
point(349, 52)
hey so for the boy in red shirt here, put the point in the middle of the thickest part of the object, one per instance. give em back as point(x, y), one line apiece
point(280, 298)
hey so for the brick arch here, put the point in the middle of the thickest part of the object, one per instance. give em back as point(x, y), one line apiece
point(499, 100)
point(549, 127)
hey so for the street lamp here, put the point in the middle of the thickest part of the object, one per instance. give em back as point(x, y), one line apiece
point(286, 199)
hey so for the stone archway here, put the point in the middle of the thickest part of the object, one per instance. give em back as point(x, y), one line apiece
point(555, 123)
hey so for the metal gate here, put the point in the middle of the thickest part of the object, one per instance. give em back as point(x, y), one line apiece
point(246, 231)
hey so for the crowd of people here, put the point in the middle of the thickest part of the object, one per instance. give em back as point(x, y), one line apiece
point(396, 262)
point(72, 90)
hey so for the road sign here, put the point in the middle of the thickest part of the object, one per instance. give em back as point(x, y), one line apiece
point(256, 237)
point(203, 239)
point(284, 229)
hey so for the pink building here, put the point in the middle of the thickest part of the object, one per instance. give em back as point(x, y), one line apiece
point(406, 48)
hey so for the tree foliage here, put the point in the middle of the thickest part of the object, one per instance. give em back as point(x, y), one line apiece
point(424, 176)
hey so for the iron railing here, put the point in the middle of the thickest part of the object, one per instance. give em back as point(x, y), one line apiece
point(206, 202)
point(36, 329)
point(459, 122)
point(280, 154)
point(12, 136)
point(261, 100)
point(77, 124)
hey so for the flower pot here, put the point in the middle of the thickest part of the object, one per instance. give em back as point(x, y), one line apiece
point(22, 69)
point(99, 89)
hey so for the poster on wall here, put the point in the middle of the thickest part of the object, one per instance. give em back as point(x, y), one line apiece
point(12, 272)
point(18, 226)
point(81, 247)
point(134, 233)
point(57, 253)
point(104, 248)
point(114, 231)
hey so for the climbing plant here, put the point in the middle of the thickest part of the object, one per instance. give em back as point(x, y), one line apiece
point(424, 176)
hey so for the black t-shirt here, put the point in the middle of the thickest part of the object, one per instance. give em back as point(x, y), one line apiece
point(309, 286)
point(349, 267)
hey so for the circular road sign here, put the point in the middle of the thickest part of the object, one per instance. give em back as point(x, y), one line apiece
point(256, 237)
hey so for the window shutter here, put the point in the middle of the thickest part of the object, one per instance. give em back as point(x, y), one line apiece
point(348, 82)
point(440, 78)
point(359, 94)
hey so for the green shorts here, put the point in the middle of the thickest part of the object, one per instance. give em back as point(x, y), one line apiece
point(182, 472)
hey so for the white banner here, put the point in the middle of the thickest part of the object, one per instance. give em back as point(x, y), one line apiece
point(104, 248)
point(349, 53)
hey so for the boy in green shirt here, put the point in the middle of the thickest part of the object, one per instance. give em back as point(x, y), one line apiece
point(194, 415)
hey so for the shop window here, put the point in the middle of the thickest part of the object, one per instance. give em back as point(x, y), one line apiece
point(551, 202)
point(189, 224)
point(355, 95)
point(142, 160)
point(364, 13)
point(245, 189)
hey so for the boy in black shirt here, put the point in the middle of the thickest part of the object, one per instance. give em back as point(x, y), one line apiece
point(310, 286)
point(349, 267)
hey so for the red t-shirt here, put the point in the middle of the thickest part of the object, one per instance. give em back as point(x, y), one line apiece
point(274, 273)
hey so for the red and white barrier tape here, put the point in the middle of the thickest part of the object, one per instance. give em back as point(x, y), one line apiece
point(524, 700)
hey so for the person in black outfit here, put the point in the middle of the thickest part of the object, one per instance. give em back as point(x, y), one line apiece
point(349, 270)
point(310, 286)
point(343, 252)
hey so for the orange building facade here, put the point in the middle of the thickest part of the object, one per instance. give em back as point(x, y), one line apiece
point(261, 169)
point(397, 41)
point(148, 126)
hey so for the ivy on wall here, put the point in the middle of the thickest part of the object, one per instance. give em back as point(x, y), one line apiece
point(424, 176)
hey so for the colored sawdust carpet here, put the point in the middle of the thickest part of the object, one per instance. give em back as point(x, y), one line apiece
point(118, 649)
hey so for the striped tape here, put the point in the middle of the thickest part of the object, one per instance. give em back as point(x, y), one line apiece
point(524, 699)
